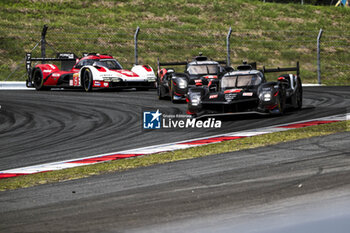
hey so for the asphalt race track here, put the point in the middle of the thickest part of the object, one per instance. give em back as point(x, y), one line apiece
point(49, 126)
point(300, 186)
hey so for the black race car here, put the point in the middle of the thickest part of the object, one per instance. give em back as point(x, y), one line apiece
point(247, 91)
point(199, 72)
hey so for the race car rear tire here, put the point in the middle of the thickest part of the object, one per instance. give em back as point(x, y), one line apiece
point(299, 97)
point(160, 93)
point(87, 80)
point(38, 80)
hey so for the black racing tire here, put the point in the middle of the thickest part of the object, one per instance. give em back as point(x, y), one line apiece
point(172, 94)
point(38, 80)
point(191, 111)
point(87, 80)
point(160, 93)
point(299, 96)
point(281, 103)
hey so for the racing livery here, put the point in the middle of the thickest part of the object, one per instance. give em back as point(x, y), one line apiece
point(246, 90)
point(199, 72)
point(92, 71)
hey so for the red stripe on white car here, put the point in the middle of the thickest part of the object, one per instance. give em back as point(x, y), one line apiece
point(166, 147)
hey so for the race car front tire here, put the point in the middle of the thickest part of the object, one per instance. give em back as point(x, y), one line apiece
point(299, 96)
point(172, 94)
point(87, 80)
point(281, 103)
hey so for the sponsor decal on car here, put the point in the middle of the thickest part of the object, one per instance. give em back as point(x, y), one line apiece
point(247, 94)
point(198, 82)
point(230, 96)
point(107, 75)
point(97, 84)
point(47, 71)
point(76, 79)
point(67, 55)
point(213, 96)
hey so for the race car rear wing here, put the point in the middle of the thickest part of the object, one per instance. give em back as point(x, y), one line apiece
point(171, 63)
point(247, 66)
point(184, 63)
point(67, 60)
point(278, 69)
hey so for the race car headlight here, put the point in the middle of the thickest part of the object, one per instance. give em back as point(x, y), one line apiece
point(151, 78)
point(182, 83)
point(106, 79)
point(265, 96)
point(195, 100)
point(116, 80)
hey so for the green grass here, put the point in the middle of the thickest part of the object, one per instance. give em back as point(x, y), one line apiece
point(270, 33)
point(161, 158)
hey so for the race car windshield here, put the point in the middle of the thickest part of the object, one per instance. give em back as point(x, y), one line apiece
point(235, 81)
point(202, 69)
point(110, 64)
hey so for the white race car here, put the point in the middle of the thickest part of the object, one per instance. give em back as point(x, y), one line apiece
point(90, 72)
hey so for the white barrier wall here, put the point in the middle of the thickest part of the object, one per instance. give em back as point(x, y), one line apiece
point(12, 85)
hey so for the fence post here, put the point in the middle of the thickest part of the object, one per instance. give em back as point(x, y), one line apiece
point(228, 62)
point(135, 40)
point(319, 56)
point(43, 41)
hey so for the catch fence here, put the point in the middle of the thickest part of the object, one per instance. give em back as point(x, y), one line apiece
point(267, 47)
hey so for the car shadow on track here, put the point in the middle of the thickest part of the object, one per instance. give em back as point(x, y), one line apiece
point(102, 90)
point(255, 116)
